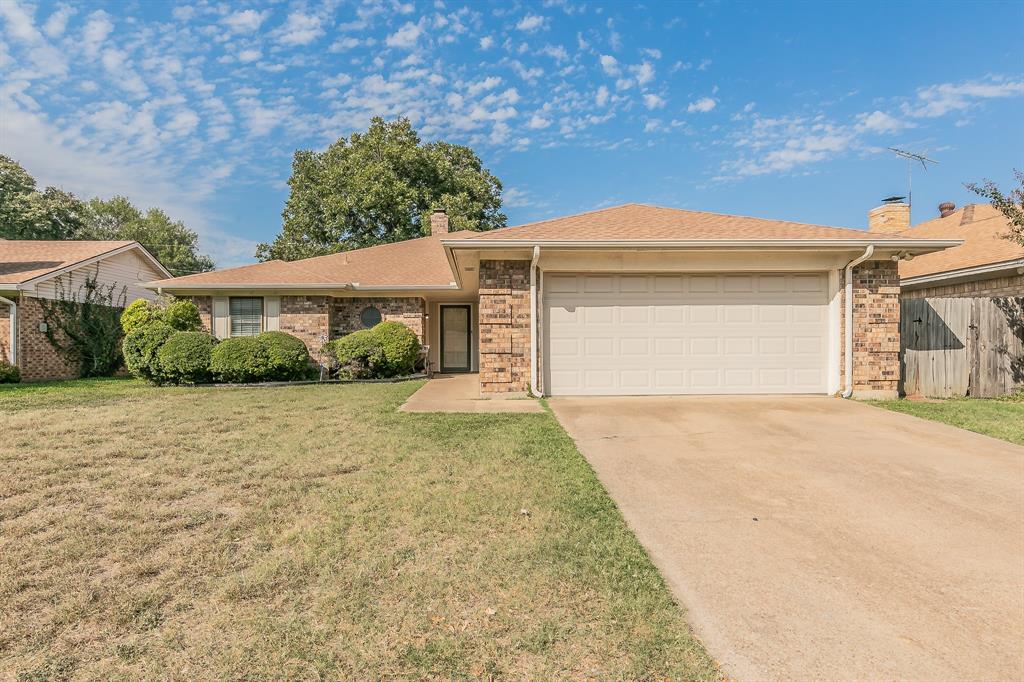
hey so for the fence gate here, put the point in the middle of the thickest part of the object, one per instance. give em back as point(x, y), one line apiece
point(962, 346)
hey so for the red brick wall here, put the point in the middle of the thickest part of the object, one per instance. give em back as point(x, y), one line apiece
point(997, 286)
point(409, 310)
point(307, 317)
point(504, 326)
point(876, 328)
point(38, 360)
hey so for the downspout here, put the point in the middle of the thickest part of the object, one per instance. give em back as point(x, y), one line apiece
point(848, 282)
point(533, 320)
point(14, 329)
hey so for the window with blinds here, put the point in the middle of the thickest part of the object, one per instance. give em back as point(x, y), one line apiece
point(246, 316)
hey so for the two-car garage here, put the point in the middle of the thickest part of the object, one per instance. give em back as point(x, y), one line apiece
point(649, 334)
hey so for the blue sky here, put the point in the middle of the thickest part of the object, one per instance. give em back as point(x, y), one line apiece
point(766, 109)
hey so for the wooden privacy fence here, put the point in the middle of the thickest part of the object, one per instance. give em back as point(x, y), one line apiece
point(962, 346)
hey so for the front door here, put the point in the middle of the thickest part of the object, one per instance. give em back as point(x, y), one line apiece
point(456, 333)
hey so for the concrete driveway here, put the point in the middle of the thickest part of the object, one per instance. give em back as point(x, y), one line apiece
point(816, 538)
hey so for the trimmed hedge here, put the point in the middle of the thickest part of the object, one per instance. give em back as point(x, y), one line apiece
point(180, 314)
point(387, 350)
point(185, 357)
point(140, 348)
point(270, 356)
point(9, 374)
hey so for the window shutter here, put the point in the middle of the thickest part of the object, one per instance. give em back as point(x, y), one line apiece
point(272, 313)
point(221, 317)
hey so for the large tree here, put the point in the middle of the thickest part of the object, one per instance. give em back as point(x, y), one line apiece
point(379, 187)
point(174, 245)
point(1010, 205)
point(27, 213)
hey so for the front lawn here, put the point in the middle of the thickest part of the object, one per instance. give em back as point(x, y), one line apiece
point(1001, 418)
point(313, 532)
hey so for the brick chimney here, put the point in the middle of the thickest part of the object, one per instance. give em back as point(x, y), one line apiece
point(946, 208)
point(891, 217)
point(439, 222)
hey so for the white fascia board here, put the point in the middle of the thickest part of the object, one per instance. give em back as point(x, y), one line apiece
point(963, 273)
point(831, 244)
point(351, 286)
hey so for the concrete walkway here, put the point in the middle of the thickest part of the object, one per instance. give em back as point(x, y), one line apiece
point(816, 538)
point(461, 393)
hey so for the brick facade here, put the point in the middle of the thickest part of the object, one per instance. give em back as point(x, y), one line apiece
point(504, 326)
point(38, 360)
point(308, 318)
point(997, 286)
point(876, 325)
point(205, 305)
point(409, 310)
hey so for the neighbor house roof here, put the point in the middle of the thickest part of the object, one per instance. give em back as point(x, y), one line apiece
point(23, 261)
point(982, 229)
point(415, 263)
point(640, 222)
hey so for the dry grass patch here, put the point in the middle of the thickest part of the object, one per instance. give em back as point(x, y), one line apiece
point(311, 532)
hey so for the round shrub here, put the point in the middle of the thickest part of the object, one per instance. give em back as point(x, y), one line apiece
point(139, 314)
point(9, 374)
point(242, 359)
point(185, 357)
point(140, 349)
point(400, 349)
point(357, 354)
point(183, 315)
point(287, 356)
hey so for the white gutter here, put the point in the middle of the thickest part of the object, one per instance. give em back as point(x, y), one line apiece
point(533, 320)
point(14, 329)
point(849, 317)
point(354, 286)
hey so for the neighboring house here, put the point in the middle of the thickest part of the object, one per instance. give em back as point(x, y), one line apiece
point(33, 270)
point(986, 264)
point(627, 300)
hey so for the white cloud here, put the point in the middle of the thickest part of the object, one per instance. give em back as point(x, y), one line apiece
point(486, 43)
point(95, 33)
point(704, 64)
point(703, 105)
point(601, 98)
point(652, 101)
point(299, 29)
point(538, 122)
point(557, 52)
point(247, 56)
point(652, 52)
point(881, 122)
point(483, 85)
point(514, 197)
point(531, 23)
point(57, 22)
point(939, 100)
point(610, 65)
point(644, 73)
point(245, 21)
point(406, 37)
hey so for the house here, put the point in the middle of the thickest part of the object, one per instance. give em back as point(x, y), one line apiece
point(34, 270)
point(632, 299)
point(986, 264)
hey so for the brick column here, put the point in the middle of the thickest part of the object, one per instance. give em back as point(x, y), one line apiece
point(504, 326)
point(876, 330)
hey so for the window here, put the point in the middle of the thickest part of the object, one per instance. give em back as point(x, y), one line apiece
point(370, 317)
point(246, 316)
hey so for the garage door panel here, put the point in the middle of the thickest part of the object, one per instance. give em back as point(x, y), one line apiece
point(662, 334)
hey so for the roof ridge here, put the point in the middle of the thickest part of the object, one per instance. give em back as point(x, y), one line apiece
point(564, 217)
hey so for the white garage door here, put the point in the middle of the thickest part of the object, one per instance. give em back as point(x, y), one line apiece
point(664, 334)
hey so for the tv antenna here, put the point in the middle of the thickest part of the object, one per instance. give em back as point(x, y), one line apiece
point(911, 157)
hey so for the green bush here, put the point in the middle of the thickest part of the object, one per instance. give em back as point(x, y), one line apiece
point(185, 357)
point(400, 348)
point(139, 314)
point(179, 313)
point(287, 356)
point(9, 374)
point(183, 315)
point(140, 350)
point(387, 350)
point(242, 359)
